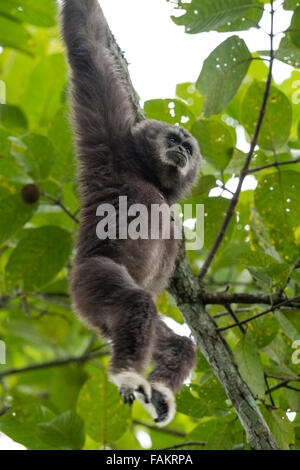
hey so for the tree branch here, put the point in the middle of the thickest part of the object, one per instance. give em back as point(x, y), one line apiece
point(185, 444)
point(244, 172)
point(276, 164)
point(58, 203)
point(284, 383)
point(173, 432)
point(54, 363)
point(243, 322)
point(187, 291)
point(235, 318)
point(224, 298)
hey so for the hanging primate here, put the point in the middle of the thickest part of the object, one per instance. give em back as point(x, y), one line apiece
point(116, 281)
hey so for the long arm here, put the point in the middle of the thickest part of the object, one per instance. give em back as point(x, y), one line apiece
point(102, 107)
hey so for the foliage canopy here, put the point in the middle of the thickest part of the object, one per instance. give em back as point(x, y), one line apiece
point(66, 402)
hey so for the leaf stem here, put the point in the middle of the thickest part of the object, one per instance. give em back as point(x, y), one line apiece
point(57, 202)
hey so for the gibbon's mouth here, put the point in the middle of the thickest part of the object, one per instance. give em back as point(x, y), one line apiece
point(177, 157)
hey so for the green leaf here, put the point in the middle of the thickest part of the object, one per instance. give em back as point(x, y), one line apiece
point(37, 156)
point(275, 130)
point(12, 117)
point(167, 306)
point(264, 329)
point(42, 102)
point(295, 275)
point(222, 74)
point(190, 405)
point(13, 34)
point(248, 361)
point(250, 20)
point(295, 28)
point(287, 327)
point(279, 193)
point(210, 399)
point(259, 235)
point(65, 432)
point(281, 428)
point(205, 184)
point(290, 399)
point(21, 425)
point(209, 15)
point(9, 169)
point(40, 13)
point(15, 72)
point(263, 266)
point(102, 409)
point(38, 257)
point(189, 93)
point(60, 135)
point(214, 210)
point(236, 162)
point(287, 52)
point(53, 333)
point(217, 433)
point(290, 4)
point(14, 215)
point(171, 111)
point(215, 140)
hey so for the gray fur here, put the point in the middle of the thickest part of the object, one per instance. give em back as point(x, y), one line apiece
point(115, 282)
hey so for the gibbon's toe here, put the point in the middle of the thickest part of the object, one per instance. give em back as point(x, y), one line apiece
point(131, 386)
point(162, 405)
point(127, 395)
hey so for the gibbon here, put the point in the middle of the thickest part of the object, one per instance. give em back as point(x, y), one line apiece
point(115, 282)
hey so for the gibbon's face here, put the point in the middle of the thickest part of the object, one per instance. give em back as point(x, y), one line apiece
point(178, 150)
point(173, 151)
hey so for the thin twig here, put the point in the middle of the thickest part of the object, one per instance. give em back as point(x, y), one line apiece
point(272, 309)
point(212, 282)
point(244, 172)
point(296, 266)
point(277, 164)
point(223, 298)
point(238, 310)
point(173, 432)
point(4, 299)
point(284, 383)
point(235, 318)
point(25, 307)
point(292, 388)
point(54, 363)
point(57, 202)
point(267, 385)
point(185, 444)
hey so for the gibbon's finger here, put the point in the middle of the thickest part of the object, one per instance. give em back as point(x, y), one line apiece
point(131, 399)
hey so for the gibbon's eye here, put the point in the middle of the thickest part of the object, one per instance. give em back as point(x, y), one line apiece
point(188, 148)
point(173, 139)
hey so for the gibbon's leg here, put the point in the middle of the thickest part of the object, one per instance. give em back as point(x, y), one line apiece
point(174, 357)
point(106, 296)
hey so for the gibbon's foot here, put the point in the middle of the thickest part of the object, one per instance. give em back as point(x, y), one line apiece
point(162, 406)
point(131, 386)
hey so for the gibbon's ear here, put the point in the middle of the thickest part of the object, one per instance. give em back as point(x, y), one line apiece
point(162, 407)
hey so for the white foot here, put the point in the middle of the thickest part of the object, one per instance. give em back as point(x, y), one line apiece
point(132, 385)
point(162, 407)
